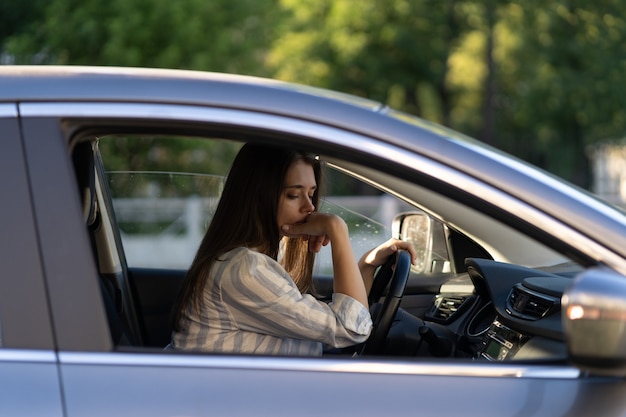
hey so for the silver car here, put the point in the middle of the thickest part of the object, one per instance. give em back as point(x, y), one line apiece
point(110, 175)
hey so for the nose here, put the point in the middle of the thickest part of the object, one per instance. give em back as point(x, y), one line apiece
point(308, 206)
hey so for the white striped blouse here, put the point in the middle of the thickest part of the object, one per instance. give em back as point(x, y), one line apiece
point(251, 305)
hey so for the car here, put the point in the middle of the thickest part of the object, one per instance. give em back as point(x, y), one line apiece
point(516, 306)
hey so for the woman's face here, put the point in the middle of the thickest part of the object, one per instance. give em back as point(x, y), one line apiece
point(296, 199)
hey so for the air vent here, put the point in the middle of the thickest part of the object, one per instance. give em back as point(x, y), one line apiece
point(446, 306)
point(530, 305)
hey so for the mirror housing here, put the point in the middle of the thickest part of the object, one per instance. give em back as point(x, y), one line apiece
point(594, 318)
point(419, 229)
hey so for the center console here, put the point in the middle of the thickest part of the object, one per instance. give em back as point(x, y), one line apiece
point(500, 343)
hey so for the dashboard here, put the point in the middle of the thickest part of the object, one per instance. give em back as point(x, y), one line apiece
point(497, 311)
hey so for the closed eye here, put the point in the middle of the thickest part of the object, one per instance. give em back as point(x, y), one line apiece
point(289, 192)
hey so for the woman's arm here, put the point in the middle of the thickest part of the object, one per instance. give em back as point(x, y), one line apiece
point(347, 276)
point(323, 227)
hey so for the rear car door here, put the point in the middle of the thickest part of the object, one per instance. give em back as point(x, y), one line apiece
point(29, 379)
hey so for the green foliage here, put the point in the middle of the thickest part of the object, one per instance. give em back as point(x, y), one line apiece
point(394, 51)
point(564, 91)
point(218, 35)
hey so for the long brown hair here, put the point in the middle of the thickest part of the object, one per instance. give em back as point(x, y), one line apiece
point(246, 215)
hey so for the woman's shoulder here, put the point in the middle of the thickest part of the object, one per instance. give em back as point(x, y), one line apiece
point(244, 263)
point(246, 255)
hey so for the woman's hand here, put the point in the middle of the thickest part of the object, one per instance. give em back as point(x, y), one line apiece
point(378, 256)
point(317, 229)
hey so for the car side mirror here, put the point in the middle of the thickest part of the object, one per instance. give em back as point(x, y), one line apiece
point(594, 317)
point(419, 229)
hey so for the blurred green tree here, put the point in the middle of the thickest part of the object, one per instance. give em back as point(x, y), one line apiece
point(395, 51)
point(220, 35)
point(17, 17)
point(560, 83)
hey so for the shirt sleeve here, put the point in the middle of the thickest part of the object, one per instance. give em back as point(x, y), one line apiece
point(261, 297)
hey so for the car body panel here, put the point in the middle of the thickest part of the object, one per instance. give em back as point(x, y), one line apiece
point(23, 300)
point(69, 265)
point(30, 384)
point(27, 361)
point(214, 386)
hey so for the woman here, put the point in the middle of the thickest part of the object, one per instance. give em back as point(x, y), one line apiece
point(237, 296)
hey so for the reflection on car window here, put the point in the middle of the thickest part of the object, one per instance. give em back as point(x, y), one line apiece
point(368, 215)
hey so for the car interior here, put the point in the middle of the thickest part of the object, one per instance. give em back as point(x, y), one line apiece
point(484, 290)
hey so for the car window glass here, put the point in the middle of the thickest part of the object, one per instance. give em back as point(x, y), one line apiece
point(162, 231)
point(164, 191)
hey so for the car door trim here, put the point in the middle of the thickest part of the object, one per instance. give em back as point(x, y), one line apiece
point(27, 355)
point(356, 365)
point(8, 110)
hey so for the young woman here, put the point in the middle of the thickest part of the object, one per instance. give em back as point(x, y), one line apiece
point(246, 290)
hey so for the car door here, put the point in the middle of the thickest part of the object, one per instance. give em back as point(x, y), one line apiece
point(29, 377)
point(99, 378)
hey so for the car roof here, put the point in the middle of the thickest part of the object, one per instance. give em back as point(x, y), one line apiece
point(72, 83)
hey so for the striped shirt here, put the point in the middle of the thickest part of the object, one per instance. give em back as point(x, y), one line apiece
point(251, 305)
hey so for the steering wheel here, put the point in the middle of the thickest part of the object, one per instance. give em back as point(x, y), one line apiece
point(394, 272)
